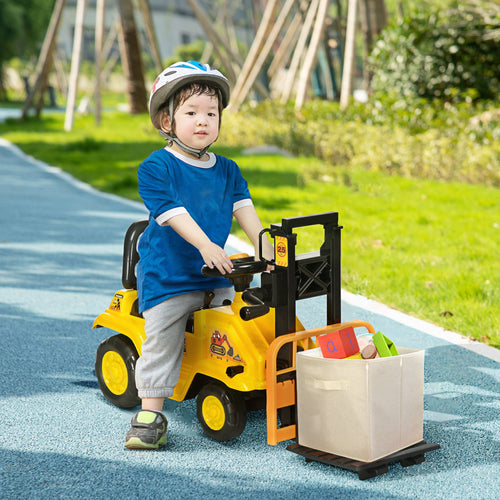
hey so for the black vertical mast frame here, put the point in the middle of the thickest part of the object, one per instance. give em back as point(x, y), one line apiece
point(306, 275)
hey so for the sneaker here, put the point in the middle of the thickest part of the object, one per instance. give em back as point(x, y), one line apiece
point(148, 431)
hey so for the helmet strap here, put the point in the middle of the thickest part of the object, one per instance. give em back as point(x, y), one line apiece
point(187, 149)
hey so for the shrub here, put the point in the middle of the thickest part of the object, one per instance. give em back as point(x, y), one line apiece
point(449, 54)
point(410, 138)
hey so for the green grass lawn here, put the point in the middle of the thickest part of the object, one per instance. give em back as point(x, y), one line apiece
point(426, 248)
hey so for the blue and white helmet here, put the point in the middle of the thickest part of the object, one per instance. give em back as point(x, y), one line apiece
point(176, 76)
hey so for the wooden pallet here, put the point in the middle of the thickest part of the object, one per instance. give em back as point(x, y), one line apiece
point(412, 455)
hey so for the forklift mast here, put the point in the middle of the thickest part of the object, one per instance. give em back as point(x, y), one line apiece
point(302, 276)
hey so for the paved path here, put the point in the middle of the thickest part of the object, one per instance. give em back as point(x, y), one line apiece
point(60, 262)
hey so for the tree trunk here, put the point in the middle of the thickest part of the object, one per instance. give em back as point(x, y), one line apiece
point(311, 54)
point(373, 16)
point(283, 52)
point(221, 47)
point(262, 54)
point(131, 58)
point(45, 57)
point(75, 65)
point(299, 51)
point(349, 54)
point(150, 30)
point(239, 93)
point(99, 34)
point(215, 39)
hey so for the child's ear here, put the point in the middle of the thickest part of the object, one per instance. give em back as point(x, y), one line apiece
point(166, 124)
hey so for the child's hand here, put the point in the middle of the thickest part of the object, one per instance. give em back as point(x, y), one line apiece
point(214, 255)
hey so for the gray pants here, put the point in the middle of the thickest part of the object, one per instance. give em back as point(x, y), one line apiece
point(158, 368)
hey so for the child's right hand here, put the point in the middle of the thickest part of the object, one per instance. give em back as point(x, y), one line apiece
point(214, 255)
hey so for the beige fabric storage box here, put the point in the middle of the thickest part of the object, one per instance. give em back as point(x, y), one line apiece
point(360, 409)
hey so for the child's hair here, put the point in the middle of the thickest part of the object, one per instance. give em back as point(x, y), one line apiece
point(190, 90)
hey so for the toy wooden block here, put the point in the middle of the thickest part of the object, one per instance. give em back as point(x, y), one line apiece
point(384, 345)
point(355, 356)
point(340, 344)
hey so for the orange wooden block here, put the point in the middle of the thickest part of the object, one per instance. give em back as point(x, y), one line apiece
point(339, 344)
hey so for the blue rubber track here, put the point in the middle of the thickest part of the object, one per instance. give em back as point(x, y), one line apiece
point(60, 263)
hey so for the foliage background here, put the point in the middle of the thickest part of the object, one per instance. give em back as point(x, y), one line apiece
point(440, 53)
point(22, 27)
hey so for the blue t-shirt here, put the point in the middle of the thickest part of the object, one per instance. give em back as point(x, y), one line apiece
point(171, 184)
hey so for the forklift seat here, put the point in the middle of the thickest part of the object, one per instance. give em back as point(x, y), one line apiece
point(130, 254)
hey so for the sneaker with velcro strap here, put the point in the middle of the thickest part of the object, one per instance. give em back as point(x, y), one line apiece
point(148, 431)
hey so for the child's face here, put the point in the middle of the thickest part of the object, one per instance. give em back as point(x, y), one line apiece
point(196, 121)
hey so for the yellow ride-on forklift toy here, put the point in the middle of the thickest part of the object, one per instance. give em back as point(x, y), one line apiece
point(238, 356)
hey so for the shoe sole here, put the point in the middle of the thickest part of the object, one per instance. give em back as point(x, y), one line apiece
point(135, 443)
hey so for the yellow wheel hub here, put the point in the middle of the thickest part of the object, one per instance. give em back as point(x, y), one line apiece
point(213, 413)
point(114, 373)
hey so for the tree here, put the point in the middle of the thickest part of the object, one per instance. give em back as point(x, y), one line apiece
point(373, 16)
point(22, 26)
point(132, 59)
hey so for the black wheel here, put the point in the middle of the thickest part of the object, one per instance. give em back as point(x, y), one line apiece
point(115, 370)
point(221, 411)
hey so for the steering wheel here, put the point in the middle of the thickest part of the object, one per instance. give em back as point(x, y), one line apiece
point(242, 266)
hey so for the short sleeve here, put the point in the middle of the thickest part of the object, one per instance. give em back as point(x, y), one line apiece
point(157, 189)
point(241, 193)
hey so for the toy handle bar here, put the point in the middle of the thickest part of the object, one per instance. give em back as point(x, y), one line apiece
point(255, 309)
point(261, 257)
point(290, 223)
point(309, 220)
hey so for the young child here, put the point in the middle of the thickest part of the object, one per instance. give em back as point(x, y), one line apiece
point(192, 196)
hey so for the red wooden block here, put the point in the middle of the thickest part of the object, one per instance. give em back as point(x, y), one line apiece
point(339, 344)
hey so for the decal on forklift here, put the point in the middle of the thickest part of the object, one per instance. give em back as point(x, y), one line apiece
point(281, 251)
point(115, 303)
point(220, 346)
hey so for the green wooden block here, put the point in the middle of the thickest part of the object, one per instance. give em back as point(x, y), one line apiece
point(384, 345)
